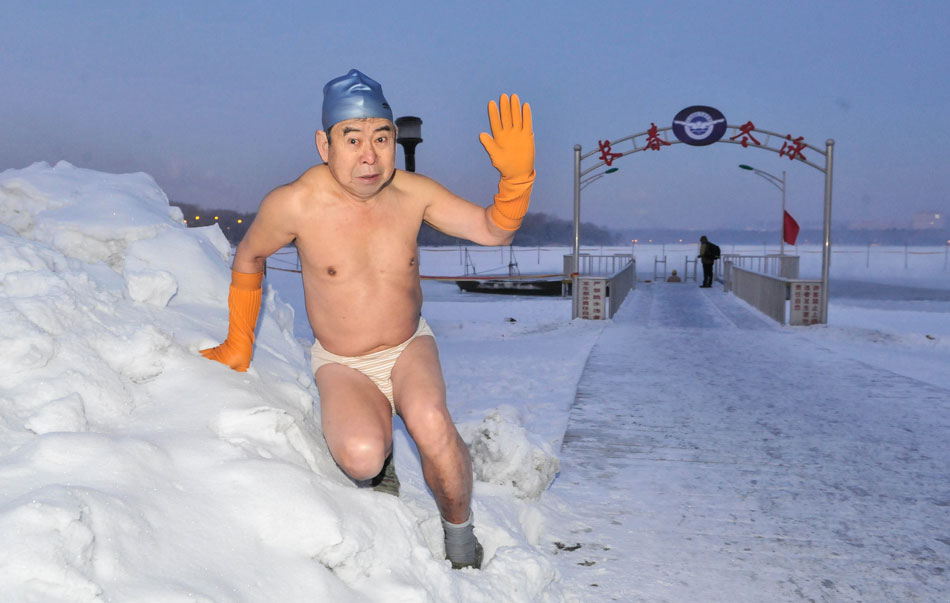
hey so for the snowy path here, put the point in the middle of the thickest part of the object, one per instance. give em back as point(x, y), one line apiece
point(738, 461)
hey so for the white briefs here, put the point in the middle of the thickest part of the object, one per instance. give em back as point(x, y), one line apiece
point(378, 366)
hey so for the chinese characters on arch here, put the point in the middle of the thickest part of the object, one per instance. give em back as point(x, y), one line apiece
point(700, 125)
point(745, 131)
point(606, 154)
point(654, 142)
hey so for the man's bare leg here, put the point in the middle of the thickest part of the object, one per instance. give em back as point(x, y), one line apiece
point(419, 393)
point(356, 419)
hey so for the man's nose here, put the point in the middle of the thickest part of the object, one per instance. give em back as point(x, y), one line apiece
point(368, 154)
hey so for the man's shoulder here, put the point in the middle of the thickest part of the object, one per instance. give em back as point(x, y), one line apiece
point(419, 188)
point(311, 181)
point(317, 188)
point(304, 189)
point(411, 181)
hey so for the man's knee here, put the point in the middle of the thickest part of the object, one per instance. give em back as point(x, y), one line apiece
point(360, 458)
point(431, 425)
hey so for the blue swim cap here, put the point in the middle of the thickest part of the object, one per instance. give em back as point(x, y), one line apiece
point(351, 96)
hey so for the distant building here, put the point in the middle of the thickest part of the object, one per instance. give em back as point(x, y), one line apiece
point(924, 220)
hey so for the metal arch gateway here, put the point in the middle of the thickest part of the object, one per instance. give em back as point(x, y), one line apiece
point(746, 135)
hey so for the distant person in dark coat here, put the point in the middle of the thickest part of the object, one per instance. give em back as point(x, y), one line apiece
point(708, 254)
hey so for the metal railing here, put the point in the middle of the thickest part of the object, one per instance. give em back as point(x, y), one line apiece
point(775, 264)
point(597, 265)
point(619, 285)
point(602, 283)
point(688, 261)
point(770, 295)
point(765, 292)
point(657, 262)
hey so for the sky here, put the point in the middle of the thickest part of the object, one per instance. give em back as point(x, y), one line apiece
point(219, 101)
point(133, 469)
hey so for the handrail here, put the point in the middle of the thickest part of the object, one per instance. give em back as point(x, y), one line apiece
point(601, 296)
point(775, 264)
point(597, 265)
point(769, 294)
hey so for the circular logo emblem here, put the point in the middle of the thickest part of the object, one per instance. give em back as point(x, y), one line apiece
point(699, 125)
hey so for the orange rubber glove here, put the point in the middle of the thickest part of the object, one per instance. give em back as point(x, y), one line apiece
point(244, 303)
point(511, 148)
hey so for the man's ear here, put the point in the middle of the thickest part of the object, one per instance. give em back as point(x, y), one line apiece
point(323, 145)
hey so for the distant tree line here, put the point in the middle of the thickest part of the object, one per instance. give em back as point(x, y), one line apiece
point(544, 229)
point(537, 229)
point(807, 236)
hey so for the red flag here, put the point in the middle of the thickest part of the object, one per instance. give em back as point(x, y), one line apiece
point(790, 229)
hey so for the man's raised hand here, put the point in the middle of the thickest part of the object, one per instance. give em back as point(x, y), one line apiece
point(511, 148)
point(511, 142)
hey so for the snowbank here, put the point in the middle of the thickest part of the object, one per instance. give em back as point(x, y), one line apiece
point(133, 469)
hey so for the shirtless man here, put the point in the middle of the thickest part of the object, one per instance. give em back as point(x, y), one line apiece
point(355, 220)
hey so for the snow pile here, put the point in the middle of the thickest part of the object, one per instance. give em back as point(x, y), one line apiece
point(503, 453)
point(133, 469)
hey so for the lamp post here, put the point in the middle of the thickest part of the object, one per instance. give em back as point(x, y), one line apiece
point(579, 183)
point(778, 183)
point(409, 134)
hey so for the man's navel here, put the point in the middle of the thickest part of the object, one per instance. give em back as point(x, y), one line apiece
point(331, 271)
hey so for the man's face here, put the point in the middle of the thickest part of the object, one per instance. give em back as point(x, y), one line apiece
point(362, 156)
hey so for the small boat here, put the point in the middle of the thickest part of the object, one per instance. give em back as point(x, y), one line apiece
point(524, 285)
point(514, 283)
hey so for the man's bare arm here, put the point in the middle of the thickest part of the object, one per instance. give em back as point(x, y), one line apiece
point(270, 230)
point(273, 228)
point(511, 149)
point(453, 215)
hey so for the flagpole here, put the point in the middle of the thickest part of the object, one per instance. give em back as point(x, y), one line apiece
point(782, 231)
point(779, 184)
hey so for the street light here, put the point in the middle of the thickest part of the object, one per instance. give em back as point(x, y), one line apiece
point(590, 179)
point(778, 183)
point(580, 182)
point(409, 134)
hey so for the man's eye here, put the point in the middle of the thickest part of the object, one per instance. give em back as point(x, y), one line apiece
point(353, 141)
point(381, 139)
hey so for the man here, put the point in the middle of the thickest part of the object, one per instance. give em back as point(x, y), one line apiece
point(708, 254)
point(355, 220)
point(674, 278)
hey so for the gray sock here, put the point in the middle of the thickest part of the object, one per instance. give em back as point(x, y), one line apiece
point(460, 542)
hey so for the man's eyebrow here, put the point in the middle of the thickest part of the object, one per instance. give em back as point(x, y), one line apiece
point(383, 128)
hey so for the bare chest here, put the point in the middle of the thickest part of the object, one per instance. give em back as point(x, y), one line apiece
point(343, 244)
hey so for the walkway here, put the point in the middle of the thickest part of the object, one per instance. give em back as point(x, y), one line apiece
point(719, 457)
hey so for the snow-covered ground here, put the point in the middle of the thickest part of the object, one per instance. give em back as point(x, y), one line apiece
point(132, 469)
